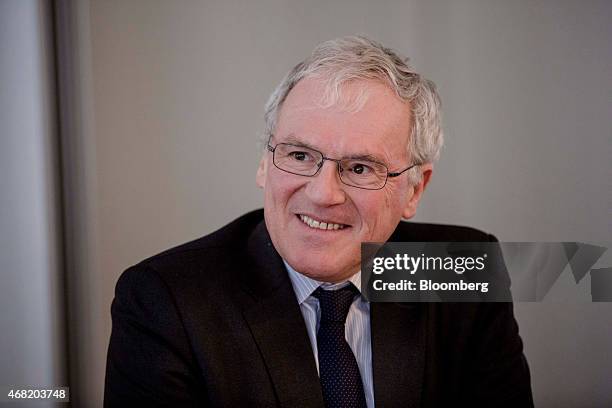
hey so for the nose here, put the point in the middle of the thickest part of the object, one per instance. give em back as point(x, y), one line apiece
point(325, 188)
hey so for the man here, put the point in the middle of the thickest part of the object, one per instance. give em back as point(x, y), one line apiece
point(267, 311)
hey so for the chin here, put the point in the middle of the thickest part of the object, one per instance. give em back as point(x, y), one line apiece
point(328, 268)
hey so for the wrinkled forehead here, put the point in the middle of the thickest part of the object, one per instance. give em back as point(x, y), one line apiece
point(358, 113)
point(358, 98)
point(333, 91)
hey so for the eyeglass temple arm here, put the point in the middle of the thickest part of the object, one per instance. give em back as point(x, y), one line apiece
point(400, 172)
point(270, 148)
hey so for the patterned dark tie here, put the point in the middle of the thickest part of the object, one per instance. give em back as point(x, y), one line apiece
point(338, 369)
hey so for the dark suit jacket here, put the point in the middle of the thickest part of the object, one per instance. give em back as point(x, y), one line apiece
point(215, 322)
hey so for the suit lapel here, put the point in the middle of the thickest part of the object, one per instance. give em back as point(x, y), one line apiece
point(398, 353)
point(277, 325)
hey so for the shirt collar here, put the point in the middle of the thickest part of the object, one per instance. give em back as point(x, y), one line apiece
point(303, 286)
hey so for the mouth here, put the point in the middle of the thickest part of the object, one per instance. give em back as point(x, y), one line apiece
point(321, 224)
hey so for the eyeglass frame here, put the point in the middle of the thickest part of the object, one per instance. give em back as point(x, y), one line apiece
point(339, 167)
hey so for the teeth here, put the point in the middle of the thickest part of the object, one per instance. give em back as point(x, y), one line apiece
point(320, 224)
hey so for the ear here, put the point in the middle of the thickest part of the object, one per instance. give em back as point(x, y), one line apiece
point(417, 191)
point(262, 171)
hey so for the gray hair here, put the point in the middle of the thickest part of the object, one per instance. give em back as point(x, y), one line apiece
point(359, 58)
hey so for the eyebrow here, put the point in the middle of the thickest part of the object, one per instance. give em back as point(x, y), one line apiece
point(357, 156)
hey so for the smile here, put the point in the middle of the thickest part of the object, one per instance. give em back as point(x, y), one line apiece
point(312, 223)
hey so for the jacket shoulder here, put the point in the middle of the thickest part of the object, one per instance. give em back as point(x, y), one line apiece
point(230, 237)
point(210, 257)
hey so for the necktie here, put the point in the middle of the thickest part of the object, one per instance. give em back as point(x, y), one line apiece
point(338, 370)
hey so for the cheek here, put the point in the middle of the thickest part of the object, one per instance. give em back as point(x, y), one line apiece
point(280, 188)
point(380, 214)
point(396, 198)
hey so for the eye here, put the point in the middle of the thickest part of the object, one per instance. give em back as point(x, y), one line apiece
point(361, 169)
point(300, 156)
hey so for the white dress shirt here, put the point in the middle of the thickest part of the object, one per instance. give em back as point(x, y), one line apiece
point(357, 328)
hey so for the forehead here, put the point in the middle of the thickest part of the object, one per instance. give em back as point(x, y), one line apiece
point(367, 118)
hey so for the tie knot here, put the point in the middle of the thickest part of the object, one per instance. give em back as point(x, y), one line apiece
point(335, 304)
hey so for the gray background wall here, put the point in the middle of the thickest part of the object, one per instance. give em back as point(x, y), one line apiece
point(156, 94)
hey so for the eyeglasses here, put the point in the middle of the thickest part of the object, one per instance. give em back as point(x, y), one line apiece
point(304, 161)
